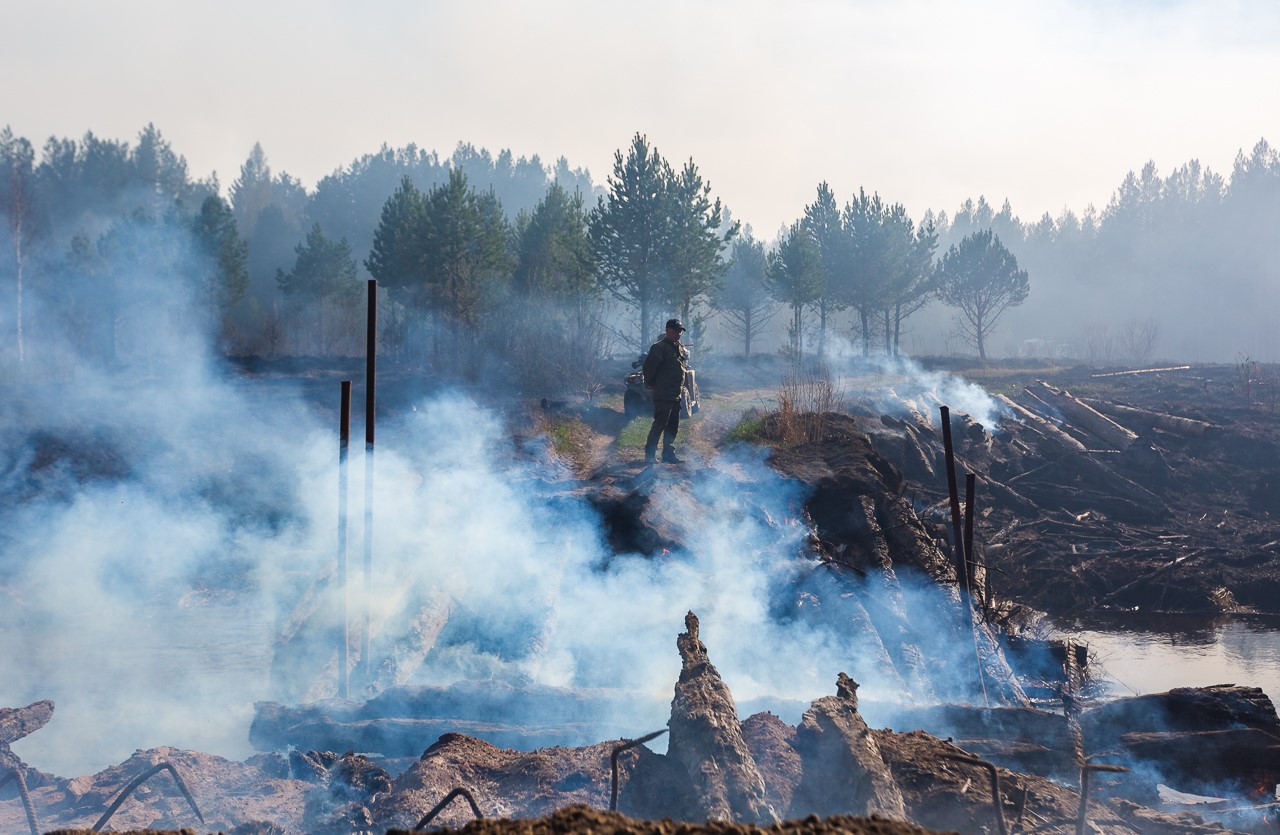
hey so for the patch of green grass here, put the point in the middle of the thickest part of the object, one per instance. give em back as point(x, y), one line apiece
point(566, 435)
point(748, 429)
point(635, 433)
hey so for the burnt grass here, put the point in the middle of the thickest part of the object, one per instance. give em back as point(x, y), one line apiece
point(1175, 525)
point(1191, 527)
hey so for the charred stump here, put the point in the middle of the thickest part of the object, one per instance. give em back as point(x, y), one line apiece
point(844, 772)
point(706, 738)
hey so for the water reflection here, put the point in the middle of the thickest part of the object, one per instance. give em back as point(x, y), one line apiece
point(1149, 654)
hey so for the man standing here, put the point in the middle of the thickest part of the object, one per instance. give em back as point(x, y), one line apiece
point(664, 369)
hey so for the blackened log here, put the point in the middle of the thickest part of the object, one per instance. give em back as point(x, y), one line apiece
point(1183, 709)
point(1209, 761)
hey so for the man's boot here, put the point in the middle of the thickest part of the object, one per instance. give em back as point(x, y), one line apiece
point(650, 456)
point(669, 456)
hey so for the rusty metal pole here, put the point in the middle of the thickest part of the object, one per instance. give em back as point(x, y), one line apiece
point(1082, 811)
point(625, 745)
point(970, 489)
point(958, 537)
point(344, 446)
point(954, 491)
point(439, 807)
point(997, 800)
point(370, 374)
point(16, 774)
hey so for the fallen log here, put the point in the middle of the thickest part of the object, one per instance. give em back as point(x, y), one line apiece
point(1242, 758)
point(1184, 426)
point(1042, 426)
point(1009, 497)
point(1142, 371)
point(1148, 577)
point(1183, 710)
point(1086, 416)
point(911, 409)
point(1231, 721)
point(1123, 489)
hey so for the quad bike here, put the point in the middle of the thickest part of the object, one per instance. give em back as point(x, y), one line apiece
point(638, 400)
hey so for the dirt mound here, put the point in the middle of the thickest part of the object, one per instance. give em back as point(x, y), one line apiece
point(583, 819)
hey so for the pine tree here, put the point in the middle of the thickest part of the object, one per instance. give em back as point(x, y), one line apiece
point(658, 235)
point(465, 254)
point(822, 221)
point(744, 298)
point(796, 279)
point(396, 257)
point(554, 259)
point(631, 234)
point(982, 280)
point(699, 235)
point(323, 285)
point(222, 275)
point(17, 203)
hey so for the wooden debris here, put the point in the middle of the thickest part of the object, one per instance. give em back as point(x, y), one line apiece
point(1141, 371)
point(1042, 426)
point(1086, 416)
point(1184, 426)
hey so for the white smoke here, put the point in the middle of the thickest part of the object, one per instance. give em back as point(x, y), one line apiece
point(164, 517)
point(876, 375)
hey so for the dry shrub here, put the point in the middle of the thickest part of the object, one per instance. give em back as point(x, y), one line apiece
point(551, 354)
point(806, 399)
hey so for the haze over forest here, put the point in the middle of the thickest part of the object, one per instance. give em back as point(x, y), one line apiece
point(1179, 264)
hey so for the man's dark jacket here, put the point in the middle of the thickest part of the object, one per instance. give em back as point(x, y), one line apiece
point(664, 369)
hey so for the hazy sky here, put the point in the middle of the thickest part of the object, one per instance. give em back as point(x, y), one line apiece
point(1046, 103)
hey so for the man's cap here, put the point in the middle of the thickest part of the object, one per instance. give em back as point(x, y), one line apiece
point(674, 324)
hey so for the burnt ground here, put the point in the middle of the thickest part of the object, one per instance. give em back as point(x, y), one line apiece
point(1184, 520)
point(1187, 520)
point(1178, 523)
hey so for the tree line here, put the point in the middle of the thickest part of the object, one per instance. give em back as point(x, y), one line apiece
point(1182, 262)
point(501, 259)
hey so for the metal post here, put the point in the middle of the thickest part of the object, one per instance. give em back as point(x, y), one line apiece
point(962, 542)
point(344, 445)
point(370, 375)
point(954, 491)
point(997, 801)
point(625, 745)
point(970, 488)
